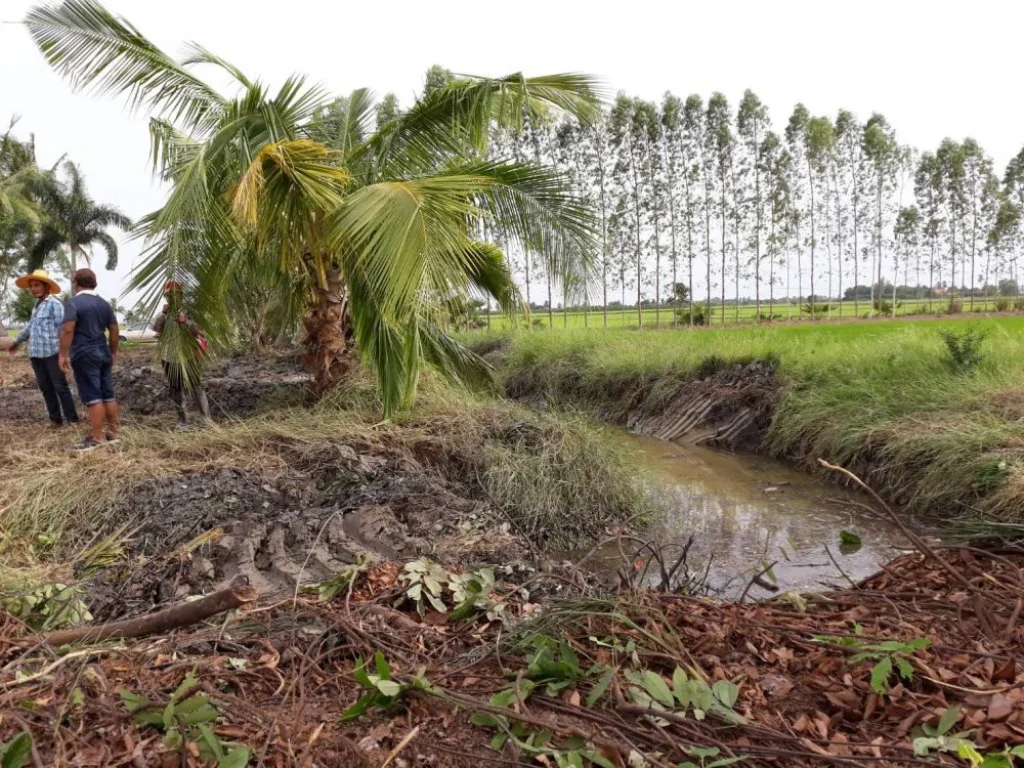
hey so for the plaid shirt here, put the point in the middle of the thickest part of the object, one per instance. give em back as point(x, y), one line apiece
point(43, 330)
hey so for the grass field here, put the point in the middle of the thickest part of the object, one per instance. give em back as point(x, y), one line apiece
point(747, 314)
point(878, 395)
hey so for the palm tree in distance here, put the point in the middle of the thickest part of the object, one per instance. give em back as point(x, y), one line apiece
point(73, 223)
point(372, 232)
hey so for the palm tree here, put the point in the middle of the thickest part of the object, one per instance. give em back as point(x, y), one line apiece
point(371, 232)
point(73, 223)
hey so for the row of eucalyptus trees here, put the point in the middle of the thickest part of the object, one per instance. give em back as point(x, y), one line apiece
point(716, 202)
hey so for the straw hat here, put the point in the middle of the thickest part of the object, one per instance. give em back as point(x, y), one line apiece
point(40, 276)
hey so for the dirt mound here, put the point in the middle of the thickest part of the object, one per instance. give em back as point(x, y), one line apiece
point(730, 408)
point(236, 387)
point(200, 530)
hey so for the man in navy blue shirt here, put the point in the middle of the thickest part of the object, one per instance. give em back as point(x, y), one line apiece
point(87, 350)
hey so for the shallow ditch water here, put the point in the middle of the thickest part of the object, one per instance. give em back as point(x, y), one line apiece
point(746, 512)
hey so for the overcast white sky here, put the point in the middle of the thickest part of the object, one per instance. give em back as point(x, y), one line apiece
point(934, 68)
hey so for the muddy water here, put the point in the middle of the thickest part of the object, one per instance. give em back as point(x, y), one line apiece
point(746, 512)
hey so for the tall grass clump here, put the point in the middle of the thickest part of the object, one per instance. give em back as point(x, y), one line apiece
point(561, 481)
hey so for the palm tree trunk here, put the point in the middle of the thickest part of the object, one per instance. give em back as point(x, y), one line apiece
point(328, 341)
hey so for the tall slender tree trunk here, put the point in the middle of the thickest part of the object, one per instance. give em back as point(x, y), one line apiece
point(839, 242)
point(878, 227)
point(689, 253)
point(725, 240)
point(856, 250)
point(810, 183)
point(707, 247)
point(604, 239)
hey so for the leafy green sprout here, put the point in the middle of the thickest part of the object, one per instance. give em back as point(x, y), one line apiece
point(383, 693)
point(16, 752)
point(887, 655)
point(186, 718)
point(688, 694)
point(938, 738)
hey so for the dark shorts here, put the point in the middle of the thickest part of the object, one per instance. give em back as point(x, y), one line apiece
point(94, 377)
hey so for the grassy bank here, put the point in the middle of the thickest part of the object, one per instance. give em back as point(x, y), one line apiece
point(537, 470)
point(877, 397)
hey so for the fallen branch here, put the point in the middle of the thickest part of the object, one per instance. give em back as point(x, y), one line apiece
point(175, 617)
point(921, 545)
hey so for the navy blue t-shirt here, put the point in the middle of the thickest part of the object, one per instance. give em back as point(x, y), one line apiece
point(92, 316)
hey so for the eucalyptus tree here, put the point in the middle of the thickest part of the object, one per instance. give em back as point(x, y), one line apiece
point(906, 236)
point(881, 153)
point(821, 150)
point(848, 183)
point(73, 223)
point(775, 169)
point(675, 179)
point(1013, 187)
point(1005, 235)
point(596, 159)
point(538, 131)
point(930, 193)
point(979, 200)
point(655, 184)
point(722, 146)
point(752, 123)
point(820, 143)
point(695, 130)
point(630, 140)
point(796, 139)
point(952, 175)
point(375, 240)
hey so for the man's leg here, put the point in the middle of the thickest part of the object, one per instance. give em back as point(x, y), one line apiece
point(176, 389)
point(60, 385)
point(42, 373)
point(201, 401)
point(87, 377)
point(110, 411)
point(97, 416)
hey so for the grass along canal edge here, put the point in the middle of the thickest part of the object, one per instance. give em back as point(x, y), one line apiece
point(884, 400)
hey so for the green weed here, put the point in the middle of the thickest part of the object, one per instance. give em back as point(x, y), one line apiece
point(186, 719)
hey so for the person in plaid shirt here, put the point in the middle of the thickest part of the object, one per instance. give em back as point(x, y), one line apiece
point(43, 336)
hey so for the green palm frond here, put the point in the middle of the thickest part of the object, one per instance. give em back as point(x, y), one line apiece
point(460, 117)
point(95, 49)
point(197, 54)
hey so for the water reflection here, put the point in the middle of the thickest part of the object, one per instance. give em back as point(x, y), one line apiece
point(746, 512)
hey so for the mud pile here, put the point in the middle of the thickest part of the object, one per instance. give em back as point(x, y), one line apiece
point(297, 524)
point(729, 409)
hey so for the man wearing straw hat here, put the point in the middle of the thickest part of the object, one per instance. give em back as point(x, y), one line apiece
point(43, 336)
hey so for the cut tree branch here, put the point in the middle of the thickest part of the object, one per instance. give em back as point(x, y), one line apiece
point(175, 617)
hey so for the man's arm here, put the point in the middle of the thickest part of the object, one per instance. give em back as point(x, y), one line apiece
point(158, 324)
point(67, 332)
point(114, 332)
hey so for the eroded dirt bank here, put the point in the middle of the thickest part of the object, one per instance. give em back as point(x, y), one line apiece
point(722, 405)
